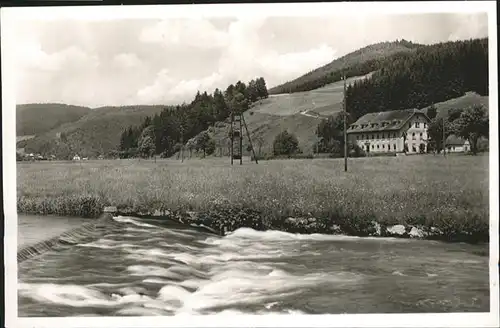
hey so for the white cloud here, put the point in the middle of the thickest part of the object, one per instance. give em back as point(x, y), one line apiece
point(118, 62)
point(297, 62)
point(199, 33)
point(470, 26)
point(31, 56)
point(127, 60)
point(244, 58)
point(168, 90)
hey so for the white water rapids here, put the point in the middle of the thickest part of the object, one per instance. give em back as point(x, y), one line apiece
point(150, 267)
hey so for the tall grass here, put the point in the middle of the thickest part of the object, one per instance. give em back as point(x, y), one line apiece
point(450, 193)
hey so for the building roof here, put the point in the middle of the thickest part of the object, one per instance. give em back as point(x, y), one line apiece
point(383, 121)
point(453, 140)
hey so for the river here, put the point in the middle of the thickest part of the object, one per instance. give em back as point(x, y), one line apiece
point(32, 229)
point(152, 267)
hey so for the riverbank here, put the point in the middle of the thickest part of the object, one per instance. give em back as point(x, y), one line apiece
point(416, 196)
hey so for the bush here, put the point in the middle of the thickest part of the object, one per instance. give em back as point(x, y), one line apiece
point(85, 206)
point(210, 147)
point(356, 151)
point(285, 144)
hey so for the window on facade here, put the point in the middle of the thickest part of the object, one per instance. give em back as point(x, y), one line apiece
point(378, 136)
point(373, 146)
point(394, 146)
point(417, 124)
point(425, 125)
point(378, 147)
point(413, 135)
point(383, 146)
point(420, 135)
point(373, 136)
point(413, 149)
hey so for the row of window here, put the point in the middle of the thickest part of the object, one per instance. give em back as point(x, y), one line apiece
point(413, 147)
point(378, 147)
point(373, 125)
point(367, 136)
point(389, 135)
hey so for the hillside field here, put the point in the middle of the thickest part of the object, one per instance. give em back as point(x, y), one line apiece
point(286, 111)
point(448, 192)
point(469, 99)
point(298, 113)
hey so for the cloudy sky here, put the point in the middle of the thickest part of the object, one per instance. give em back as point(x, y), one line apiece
point(120, 62)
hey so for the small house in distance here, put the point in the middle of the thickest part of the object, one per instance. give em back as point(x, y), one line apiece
point(76, 158)
point(456, 144)
point(389, 132)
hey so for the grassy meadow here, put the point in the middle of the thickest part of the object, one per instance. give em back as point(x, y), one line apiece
point(449, 193)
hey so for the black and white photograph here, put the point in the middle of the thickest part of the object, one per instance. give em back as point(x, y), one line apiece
point(316, 164)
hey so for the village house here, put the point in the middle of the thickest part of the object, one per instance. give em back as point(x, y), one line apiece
point(456, 144)
point(389, 132)
point(76, 158)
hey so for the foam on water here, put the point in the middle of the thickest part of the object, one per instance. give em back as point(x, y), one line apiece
point(107, 244)
point(273, 235)
point(127, 219)
point(168, 273)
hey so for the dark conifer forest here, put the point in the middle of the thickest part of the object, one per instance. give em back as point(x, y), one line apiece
point(421, 78)
point(406, 79)
point(356, 63)
point(175, 125)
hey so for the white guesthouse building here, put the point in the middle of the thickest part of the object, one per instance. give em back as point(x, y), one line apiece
point(388, 132)
point(456, 144)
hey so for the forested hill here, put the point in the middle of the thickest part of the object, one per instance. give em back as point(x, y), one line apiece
point(357, 63)
point(426, 76)
point(415, 78)
point(34, 119)
point(165, 132)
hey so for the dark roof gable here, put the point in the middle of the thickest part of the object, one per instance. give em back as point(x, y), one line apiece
point(454, 140)
point(384, 121)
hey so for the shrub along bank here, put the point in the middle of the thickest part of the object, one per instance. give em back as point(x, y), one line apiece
point(229, 217)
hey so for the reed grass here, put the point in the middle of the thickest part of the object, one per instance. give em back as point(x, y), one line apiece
point(449, 193)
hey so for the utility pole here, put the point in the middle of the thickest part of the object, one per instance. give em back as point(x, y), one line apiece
point(241, 140)
point(182, 144)
point(249, 139)
point(444, 140)
point(345, 126)
point(231, 136)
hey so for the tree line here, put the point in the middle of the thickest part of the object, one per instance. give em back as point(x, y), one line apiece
point(415, 79)
point(418, 79)
point(357, 63)
point(165, 133)
point(471, 124)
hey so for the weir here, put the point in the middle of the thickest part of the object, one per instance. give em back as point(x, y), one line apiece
point(86, 232)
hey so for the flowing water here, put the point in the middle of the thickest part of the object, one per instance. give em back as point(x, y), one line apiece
point(151, 267)
point(32, 229)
